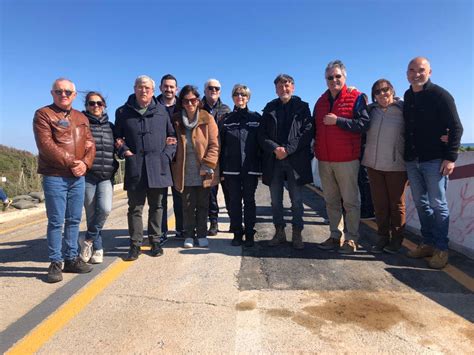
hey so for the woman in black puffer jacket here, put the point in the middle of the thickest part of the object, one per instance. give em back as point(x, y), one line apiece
point(240, 164)
point(99, 178)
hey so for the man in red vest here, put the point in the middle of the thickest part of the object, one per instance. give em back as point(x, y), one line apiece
point(340, 117)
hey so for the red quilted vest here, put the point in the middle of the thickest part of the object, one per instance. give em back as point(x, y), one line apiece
point(334, 144)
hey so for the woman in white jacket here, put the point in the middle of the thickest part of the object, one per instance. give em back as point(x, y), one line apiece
point(386, 167)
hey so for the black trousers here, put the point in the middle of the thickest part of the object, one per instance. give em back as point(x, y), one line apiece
point(195, 208)
point(242, 188)
point(136, 201)
point(213, 205)
point(177, 208)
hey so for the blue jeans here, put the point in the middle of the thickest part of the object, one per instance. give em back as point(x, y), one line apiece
point(282, 171)
point(98, 204)
point(64, 197)
point(3, 195)
point(428, 187)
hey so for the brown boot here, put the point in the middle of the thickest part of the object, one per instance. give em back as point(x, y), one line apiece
point(297, 238)
point(421, 251)
point(439, 259)
point(279, 237)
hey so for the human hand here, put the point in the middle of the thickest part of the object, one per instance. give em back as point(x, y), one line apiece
point(118, 143)
point(78, 168)
point(128, 153)
point(330, 119)
point(447, 167)
point(171, 140)
point(280, 153)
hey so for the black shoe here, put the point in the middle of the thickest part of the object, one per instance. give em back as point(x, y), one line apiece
point(77, 266)
point(163, 239)
point(179, 235)
point(237, 241)
point(55, 273)
point(156, 249)
point(133, 253)
point(249, 239)
point(212, 229)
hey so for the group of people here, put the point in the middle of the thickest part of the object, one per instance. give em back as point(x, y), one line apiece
point(195, 144)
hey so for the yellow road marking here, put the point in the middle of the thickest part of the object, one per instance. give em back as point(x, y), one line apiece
point(34, 340)
point(455, 273)
point(45, 330)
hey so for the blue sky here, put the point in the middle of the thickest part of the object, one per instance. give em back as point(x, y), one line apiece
point(104, 45)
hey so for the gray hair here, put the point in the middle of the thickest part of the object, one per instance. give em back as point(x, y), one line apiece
point(140, 79)
point(240, 87)
point(206, 84)
point(336, 64)
point(283, 78)
point(63, 79)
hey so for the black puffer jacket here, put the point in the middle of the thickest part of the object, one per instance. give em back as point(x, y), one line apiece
point(105, 165)
point(240, 152)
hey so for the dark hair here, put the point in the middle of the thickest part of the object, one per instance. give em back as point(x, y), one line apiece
point(94, 93)
point(377, 83)
point(187, 89)
point(283, 78)
point(168, 77)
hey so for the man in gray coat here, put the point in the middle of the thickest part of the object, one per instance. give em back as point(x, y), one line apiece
point(147, 140)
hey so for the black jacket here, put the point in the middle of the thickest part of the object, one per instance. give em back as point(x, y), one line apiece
point(145, 136)
point(299, 139)
point(428, 114)
point(240, 152)
point(105, 165)
point(218, 111)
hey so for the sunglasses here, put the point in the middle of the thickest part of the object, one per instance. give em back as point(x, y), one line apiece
point(212, 88)
point(192, 101)
point(95, 103)
point(60, 92)
point(382, 90)
point(240, 94)
point(331, 78)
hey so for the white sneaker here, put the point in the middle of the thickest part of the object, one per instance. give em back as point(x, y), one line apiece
point(97, 257)
point(203, 242)
point(86, 249)
point(188, 243)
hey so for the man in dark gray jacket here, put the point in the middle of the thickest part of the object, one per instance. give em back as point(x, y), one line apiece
point(285, 135)
point(147, 140)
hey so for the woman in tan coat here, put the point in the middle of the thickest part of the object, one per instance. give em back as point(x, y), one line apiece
point(195, 165)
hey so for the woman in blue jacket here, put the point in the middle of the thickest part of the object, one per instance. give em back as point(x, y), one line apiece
point(240, 164)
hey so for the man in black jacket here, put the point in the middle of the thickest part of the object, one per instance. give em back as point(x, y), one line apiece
point(147, 140)
point(168, 99)
point(429, 112)
point(285, 135)
point(212, 103)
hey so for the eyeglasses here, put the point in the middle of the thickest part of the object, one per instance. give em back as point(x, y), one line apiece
point(66, 92)
point(382, 90)
point(192, 101)
point(95, 103)
point(331, 78)
point(239, 94)
point(212, 88)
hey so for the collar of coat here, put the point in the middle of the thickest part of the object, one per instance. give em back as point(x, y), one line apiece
point(204, 117)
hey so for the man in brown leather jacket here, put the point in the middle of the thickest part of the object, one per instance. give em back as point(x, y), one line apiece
point(66, 150)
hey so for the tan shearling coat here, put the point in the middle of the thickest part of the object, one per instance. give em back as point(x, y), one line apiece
point(205, 141)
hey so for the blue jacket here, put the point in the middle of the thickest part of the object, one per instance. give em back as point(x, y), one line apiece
point(240, 152)
point(145, 136)
point(298, 146)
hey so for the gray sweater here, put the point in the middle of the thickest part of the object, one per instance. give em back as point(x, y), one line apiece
point(385, 141)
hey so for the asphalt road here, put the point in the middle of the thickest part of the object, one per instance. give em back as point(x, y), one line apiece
point(225, 299)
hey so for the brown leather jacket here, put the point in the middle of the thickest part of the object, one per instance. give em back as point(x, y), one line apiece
point(61, 138)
